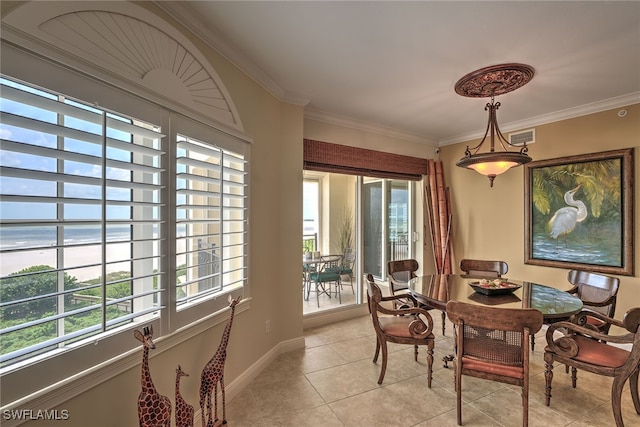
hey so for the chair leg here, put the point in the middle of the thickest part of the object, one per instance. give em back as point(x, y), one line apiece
point(525, 403)
point(429, 364)
point(444, 320)
point(616, 399)
point(533, 342)
point(574, 376)
point(383, 368)
point(375, 356)
point(458, 387)
point(548, 377)
point(633, 384)
point(415, 353)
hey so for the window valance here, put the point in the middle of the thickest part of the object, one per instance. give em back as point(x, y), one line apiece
point(327, 157)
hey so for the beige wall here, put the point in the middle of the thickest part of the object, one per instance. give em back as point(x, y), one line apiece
point(488, 223)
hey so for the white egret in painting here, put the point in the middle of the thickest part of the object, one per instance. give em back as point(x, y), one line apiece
point(565, 219)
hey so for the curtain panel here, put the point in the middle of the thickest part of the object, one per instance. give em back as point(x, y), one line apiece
point(327, 157)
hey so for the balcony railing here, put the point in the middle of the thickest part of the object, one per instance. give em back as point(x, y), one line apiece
point(399, 248)
point(309, 242)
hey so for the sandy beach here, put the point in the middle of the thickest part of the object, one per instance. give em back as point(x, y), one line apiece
point(11, 262)
point(74, 257)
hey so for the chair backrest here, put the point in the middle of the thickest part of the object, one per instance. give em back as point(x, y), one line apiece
point(483, 267)
point(491, 335)
point(348, 258)
point(400, 272)
point(493, 344)
point(374, 296)
point(597, 291)
point(331, 263)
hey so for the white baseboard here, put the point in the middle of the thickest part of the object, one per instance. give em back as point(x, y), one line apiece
point(337, 315)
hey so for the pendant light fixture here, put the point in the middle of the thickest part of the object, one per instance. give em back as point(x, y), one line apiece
point(486, 83)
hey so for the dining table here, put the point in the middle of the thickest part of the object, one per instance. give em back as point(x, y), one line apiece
point(436, 290)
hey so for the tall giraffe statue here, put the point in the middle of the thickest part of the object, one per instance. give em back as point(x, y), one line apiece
point(184, 411)
point(213, 373)
point(154, 410)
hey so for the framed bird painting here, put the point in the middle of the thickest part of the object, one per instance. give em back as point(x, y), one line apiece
point(579, 212)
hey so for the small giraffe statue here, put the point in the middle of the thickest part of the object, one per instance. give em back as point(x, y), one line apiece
point(154, 410)
point(213, 373)
point(184, 411)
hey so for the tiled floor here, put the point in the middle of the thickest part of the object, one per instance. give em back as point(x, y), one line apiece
point(323, 302)
point(333, 382)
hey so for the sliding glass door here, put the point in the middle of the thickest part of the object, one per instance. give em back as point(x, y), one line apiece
point(387, 223)
point(367, 217)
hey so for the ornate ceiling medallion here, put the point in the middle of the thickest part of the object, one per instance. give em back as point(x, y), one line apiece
point(494, 80)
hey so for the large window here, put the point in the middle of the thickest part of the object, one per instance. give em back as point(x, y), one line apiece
point(106, 223)
point(210, 220)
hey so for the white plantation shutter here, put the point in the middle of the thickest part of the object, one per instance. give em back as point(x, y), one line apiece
point(81, 197)
point(210, 219)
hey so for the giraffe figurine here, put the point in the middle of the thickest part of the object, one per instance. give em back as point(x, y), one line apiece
point(184, 411)
point(154, 410)
point(213, 373)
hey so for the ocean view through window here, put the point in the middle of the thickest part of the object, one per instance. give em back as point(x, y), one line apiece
point(86, 217)
point(80, 212)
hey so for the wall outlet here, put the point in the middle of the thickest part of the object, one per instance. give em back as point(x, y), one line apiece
point(267, 326)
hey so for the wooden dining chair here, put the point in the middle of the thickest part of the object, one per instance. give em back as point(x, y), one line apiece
point(410, 325)
point(493, 344)
point(481, 267)
point(585, 348)
point(399, 273)
point(598, 292)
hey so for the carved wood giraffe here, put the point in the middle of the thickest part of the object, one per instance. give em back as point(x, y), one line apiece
point(154, 410)
point(213, 373)
point(184, 411)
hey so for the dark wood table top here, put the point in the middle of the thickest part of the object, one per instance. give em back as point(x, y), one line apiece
point(437, 290)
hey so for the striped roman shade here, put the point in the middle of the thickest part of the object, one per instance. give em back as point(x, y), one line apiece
point(327, 157)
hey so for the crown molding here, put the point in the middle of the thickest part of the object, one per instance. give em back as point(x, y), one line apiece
point(334, 119)
point(187, 17)
point(570, 113)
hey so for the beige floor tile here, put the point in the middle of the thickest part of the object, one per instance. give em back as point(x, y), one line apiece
point(340, 382)
point(322, 416)
point(333, 382)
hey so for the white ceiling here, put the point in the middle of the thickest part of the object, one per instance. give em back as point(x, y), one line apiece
point(394, 64)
